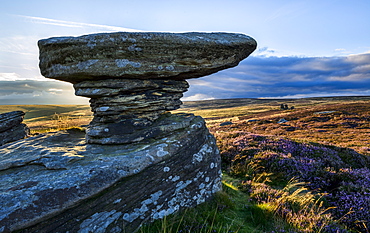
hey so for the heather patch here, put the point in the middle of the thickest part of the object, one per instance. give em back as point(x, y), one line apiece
point(334, 183)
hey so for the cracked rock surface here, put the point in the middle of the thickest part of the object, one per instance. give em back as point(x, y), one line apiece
point(143, 55)
point(137, 162)
point(133, 78)
point(57, 181)
point(126, 110)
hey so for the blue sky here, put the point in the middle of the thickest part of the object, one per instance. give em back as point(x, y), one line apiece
point(305, 47)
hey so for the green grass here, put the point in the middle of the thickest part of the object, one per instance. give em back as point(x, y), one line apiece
point(233, 210)
point(36, 113)
point(46, 118)
point(230, 211)
point(285, 206)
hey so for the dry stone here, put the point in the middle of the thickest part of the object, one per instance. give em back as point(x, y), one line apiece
point(56, 182)
point(137, 162)
point(11, 127)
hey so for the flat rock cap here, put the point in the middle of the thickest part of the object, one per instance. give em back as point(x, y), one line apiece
point(142, 55)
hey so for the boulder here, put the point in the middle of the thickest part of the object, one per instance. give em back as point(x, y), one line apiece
point(282, 121)
point(56, 182)
point(226, 123)
point(11, 127)
point(142, 55)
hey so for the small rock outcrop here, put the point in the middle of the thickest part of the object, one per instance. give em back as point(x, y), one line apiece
point(137, 161)
point(11, 127)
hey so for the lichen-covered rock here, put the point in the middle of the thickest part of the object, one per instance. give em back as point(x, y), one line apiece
point(138, 162)
point(134, 78)
point(57, 183)
point(143, 55)
point(11, 127)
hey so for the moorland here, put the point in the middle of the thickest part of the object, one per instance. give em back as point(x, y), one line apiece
point(301, 168)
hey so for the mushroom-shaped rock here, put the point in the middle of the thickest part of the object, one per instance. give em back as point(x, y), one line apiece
point(139, 162)
point(134, 78)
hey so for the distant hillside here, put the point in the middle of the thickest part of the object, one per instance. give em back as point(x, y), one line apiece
point(229, 103)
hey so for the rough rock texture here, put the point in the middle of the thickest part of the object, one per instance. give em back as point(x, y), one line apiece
point(125, 110)
point(11, 127)
point(138, 162)
point(57, 183)
point(133, 78)
point(144, 55)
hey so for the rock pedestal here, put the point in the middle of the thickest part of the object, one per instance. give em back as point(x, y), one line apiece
point(138, 162)
point(126, 109)
point(132, 78)
point(11, 127)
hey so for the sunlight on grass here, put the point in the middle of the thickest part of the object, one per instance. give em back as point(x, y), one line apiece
point(310, 174)
point(229, 211)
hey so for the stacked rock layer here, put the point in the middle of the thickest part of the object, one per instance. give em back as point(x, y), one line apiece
point(125, 109)
point(11, 127)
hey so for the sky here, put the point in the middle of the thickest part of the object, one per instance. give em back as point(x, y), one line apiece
point(306, 48)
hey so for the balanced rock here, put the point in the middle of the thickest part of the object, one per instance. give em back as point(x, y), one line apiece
point(137, 162)
point(11, 127)
point(144, 55)
point(133, 78)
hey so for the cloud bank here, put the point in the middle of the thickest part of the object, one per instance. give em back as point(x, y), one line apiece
point(287, 77)
point(20, 92)
point(255, 77)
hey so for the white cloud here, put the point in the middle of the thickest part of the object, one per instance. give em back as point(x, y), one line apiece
point(63, 23)
point(197, 97)
point(9, 77)
point(359, 58)
point(55, 90)
point(324, 94)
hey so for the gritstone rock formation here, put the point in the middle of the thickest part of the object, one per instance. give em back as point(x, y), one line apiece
point(132, 78)
point(137, 162)
point(11, 127)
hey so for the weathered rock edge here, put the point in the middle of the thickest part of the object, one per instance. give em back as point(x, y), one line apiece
point(126, 110)
point(142, 55)
point(57, 183)
point(11, 127)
